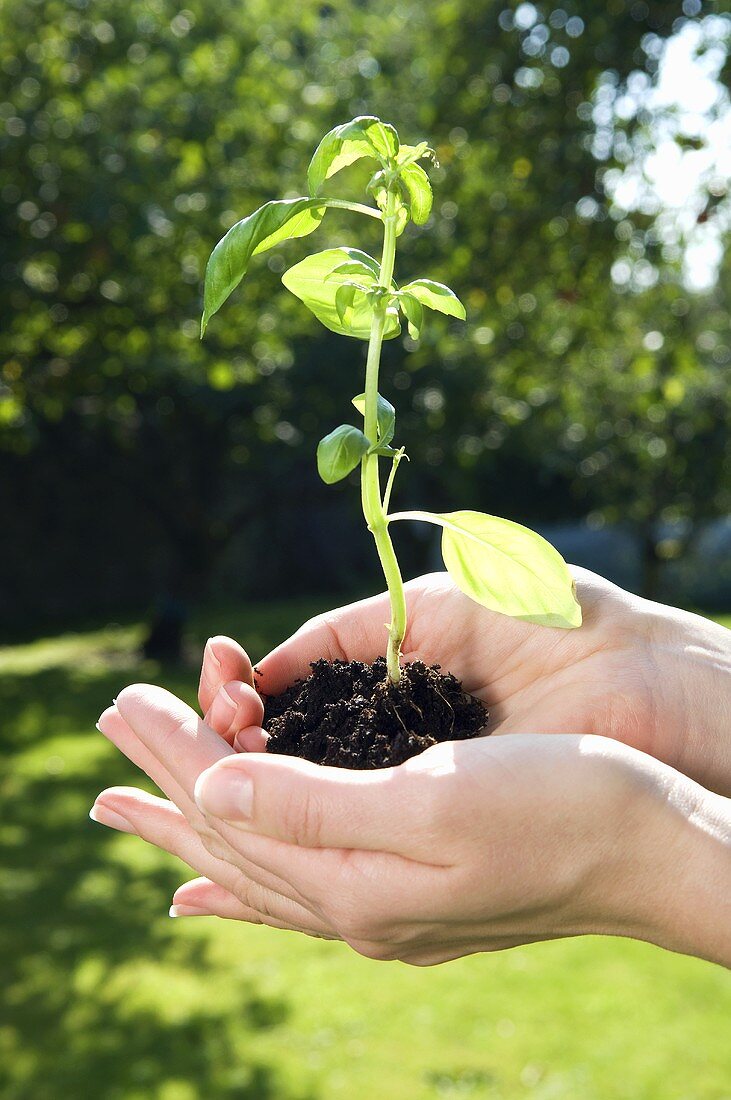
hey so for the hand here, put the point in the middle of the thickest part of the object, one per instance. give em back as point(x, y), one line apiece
point(653, 677)
point(472, 846)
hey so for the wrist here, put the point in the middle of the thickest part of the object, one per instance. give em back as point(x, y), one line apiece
point(695, 894)
point(693, 656)
point(666, 877)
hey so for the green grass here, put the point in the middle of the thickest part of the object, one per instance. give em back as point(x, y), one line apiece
point(104, 998)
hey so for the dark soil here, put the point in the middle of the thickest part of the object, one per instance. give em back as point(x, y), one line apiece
point(348, 714)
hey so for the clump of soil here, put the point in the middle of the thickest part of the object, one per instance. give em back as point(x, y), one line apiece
point(349, 715)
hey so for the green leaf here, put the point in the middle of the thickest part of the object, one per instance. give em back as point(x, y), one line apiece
point(378, 190)
point(414, 312)
point(419, 191)
point(369, 272)
point(344, 298)
point(402, 217)
point(386, 415)
point(436, 296)
point(365, 136)
point(315, 282)
point(276, 221)
point(506, 567)
point(407, 154)
point(340, 452)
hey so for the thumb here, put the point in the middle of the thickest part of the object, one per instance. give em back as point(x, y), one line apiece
point(356, 632)
point(318, 807)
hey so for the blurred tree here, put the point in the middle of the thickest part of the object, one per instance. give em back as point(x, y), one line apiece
point(576, 393)
point(640, 424)
point(130, 144)
point(136, 132)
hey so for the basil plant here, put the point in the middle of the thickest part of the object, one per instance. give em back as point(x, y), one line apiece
point(502, 565)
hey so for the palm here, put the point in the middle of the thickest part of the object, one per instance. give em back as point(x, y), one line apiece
point(638, 672)
point(533, 679)
point(598, 679)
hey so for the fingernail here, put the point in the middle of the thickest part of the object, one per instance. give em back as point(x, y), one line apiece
point(188, 911)
point(211, 653)
point(99, 727)
point(114, 701)
point(104, 816)
point(225, 793)
point(241, 738)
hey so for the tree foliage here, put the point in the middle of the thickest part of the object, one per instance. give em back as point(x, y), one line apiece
point(132, 134)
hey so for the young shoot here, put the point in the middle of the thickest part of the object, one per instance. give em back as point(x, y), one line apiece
point(502, 565)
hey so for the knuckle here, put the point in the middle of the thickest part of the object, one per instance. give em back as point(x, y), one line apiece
point(267, 905)
point(243, 892)
point(171, 737)
point(302, 819)
point(254, 896)
point(257, 898)
point(326, 628)
point(317, 624)
point(251, 704)
point(213, 843)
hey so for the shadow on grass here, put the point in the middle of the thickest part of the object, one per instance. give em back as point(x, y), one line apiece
point(102, 996)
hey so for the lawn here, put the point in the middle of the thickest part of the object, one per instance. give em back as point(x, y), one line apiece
point(105, 998)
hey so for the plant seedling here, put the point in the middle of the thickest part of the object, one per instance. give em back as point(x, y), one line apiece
point(502, 565)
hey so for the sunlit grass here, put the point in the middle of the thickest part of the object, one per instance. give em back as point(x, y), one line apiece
point(104, 997)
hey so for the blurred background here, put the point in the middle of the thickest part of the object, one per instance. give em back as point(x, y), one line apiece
point(155, 490)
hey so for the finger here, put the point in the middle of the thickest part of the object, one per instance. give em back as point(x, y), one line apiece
point(251, 739)
point(115, 729)
point(357, 631)
point(172, 732)
point(234, 707)
point(313, 806)
point(159, 822)
point(223, 660)
point(259, 857)
point(201, 897)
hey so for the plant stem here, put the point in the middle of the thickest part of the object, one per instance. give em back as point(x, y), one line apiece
point(370, 480)
point(358, 207)
point(389, 483)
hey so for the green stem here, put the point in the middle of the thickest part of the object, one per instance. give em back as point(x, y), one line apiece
point(389, 484)
point(370, 480)
point(357, 207)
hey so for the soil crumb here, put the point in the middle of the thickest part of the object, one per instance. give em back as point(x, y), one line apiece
point(348, 715)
